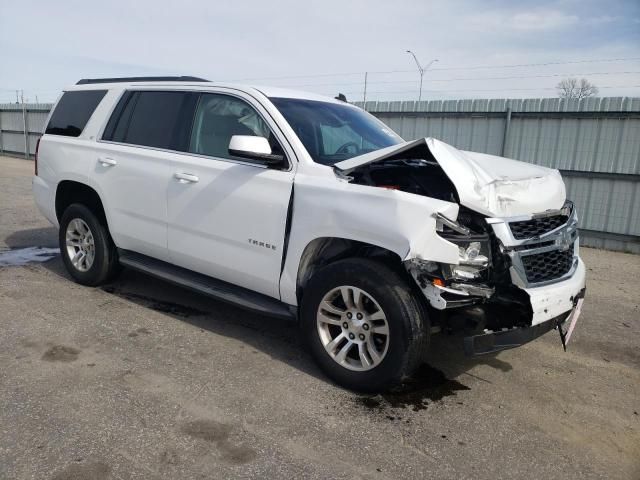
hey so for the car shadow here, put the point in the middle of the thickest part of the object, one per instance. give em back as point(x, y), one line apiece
point(442, 374)
point(33, 237)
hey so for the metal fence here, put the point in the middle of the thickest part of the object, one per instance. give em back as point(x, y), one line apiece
point(21, 124)
point(595, 143)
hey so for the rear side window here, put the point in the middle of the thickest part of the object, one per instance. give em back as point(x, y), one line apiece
point(153, 119)
point(73, 112)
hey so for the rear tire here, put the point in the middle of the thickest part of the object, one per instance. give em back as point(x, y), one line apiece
point(388, 330)
point(88, 252)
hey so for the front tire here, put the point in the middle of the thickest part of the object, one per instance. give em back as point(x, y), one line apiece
point(363, 325)
point(87, 250)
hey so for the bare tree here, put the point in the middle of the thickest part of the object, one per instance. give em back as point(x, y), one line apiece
point(574, 88)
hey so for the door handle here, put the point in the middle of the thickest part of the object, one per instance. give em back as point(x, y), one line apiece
point(107, 162)
point(186, 178)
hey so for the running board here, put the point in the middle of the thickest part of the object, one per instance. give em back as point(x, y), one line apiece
point(206, 285)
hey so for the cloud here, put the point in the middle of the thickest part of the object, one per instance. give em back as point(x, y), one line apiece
point(48, 45)
point(523, 21)
point(542, 20)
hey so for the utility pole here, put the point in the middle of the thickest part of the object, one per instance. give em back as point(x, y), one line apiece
point(421, 70)
point(24, 125)
point(364, 97)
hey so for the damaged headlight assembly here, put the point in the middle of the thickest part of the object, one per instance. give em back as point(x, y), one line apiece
point(470, 275)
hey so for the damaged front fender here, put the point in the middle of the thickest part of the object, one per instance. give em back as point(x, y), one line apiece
point(403, 223)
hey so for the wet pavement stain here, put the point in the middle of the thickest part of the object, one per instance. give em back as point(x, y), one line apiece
point(169, 457)
point(61, 353)
point(93, 471)
point(427, 385)
point(218, 433)
point(140, 330)
point(158, 305)
point(208, 430)
point(22, 256)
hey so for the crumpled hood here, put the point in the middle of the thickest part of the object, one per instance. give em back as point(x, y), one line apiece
point(491, 185)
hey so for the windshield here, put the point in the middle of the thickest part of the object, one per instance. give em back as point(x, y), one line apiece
point(332, 132)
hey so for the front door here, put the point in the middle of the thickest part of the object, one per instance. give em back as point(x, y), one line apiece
point(226, 216)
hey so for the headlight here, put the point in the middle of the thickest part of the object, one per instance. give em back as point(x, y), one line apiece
point(474, 252)
point(474, 257)
point(468, 277)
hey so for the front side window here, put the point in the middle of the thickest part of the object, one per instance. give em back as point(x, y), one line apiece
point(332, 132)
point(73, 111)
point(218, 118)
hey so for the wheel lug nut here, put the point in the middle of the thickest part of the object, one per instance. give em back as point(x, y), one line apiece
point(359, 316)
point(349, 315)
point(345, 325)
point(365, 326)
point(361, 336)
point(352, 336)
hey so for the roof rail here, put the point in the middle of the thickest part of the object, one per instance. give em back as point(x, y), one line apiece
point(183, 78)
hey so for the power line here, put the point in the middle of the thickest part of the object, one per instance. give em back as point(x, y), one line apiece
point(603, 60)
point(487, 90)
point(450, 79)
point(476, 67)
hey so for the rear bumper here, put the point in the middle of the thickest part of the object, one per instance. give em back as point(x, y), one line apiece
point(44, 197)
point(504, 339)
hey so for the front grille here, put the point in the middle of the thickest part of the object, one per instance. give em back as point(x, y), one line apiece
point(542, 267)
point(536, 226)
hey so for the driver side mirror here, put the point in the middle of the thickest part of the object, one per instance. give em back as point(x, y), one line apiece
point(254, 148)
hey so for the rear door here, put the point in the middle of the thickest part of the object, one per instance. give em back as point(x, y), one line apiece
point(133, 166)
point(227, 216)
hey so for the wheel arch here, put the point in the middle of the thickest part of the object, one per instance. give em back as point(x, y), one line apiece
point(71, 191)
point(323, 251)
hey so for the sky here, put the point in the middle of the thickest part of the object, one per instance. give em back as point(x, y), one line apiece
point(485, 49)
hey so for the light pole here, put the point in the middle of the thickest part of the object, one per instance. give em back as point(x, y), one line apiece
point(421, 69)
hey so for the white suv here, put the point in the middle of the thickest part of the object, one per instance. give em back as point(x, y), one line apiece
point(297, 205)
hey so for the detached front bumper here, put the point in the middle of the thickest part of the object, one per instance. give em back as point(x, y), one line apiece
point(552, 300)
point(504, 339)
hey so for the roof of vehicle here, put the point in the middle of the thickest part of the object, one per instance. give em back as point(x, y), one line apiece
point(125, 82)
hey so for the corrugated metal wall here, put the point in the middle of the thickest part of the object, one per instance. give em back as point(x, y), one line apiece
point(12, 132)
point(595, 143)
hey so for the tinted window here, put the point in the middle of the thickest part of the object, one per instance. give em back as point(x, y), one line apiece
point(153, 119)
point(332, 132)
point(73, 112)
point(117, 125)
point(218, 118)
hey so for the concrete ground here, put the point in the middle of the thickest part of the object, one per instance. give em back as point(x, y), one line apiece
point(141, 379)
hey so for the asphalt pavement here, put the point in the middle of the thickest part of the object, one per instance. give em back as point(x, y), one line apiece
point(144, 380)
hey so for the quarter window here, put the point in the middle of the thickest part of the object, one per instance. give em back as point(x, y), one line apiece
point(73, 111)
point(119, 121)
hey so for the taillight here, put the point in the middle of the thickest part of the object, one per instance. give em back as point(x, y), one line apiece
point(36, 157)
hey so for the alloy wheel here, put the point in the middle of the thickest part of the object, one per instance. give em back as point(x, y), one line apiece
point(80, 245)
point(353, 328)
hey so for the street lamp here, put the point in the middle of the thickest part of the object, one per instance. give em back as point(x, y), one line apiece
point(421, 69)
